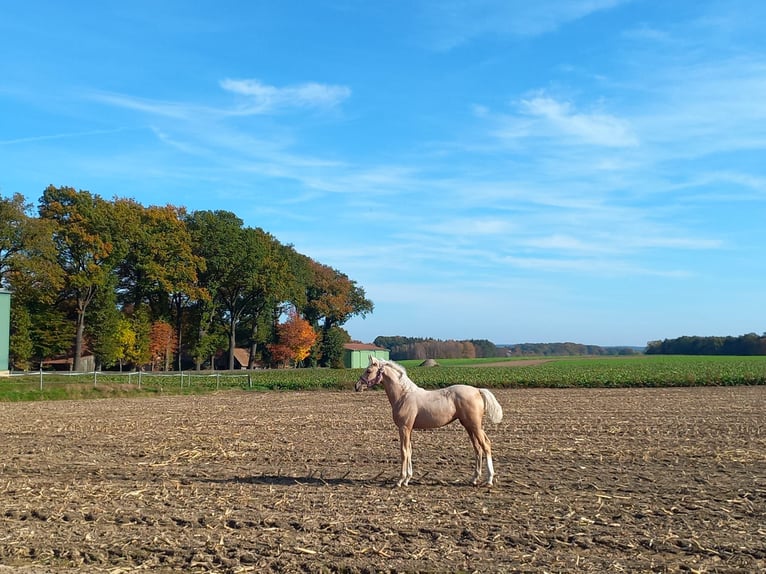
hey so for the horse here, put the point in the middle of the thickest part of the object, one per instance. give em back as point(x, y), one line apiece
point(416, 408)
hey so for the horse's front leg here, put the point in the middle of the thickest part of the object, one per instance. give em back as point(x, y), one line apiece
point(405, 446)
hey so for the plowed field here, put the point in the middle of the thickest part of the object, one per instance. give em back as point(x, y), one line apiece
point(635, 480)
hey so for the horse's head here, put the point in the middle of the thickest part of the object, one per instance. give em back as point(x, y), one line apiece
point(372, 376)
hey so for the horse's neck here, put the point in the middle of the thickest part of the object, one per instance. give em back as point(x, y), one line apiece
point(407, 385)
point(398, 387)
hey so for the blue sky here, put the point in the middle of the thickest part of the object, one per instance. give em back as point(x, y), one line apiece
point(559, 170)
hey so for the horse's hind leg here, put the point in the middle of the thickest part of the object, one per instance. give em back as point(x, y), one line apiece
point(405, 445)
point(476, 442)
point(483, 448)
point(487, 445)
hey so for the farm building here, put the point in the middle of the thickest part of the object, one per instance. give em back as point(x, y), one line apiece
point(241, 358)
point(5, 331)
point(357, 355)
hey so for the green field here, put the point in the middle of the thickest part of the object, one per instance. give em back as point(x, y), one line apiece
point(642, 371)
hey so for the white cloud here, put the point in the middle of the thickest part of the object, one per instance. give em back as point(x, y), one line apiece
point(176, 110)
point(591, 266)
point(466, 226)
point(263, 98)
point(455, 22)
point(594, 128)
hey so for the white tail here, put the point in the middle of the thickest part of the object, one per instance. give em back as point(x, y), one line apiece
point(493, 409)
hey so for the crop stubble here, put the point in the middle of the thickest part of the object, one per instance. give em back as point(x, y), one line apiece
point(589, 480)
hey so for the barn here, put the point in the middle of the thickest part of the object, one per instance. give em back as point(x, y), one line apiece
point(357, 355)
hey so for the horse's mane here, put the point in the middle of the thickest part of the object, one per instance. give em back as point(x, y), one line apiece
point(404, 380)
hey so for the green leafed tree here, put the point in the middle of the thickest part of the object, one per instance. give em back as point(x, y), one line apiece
point(159, 267)
point(85, 242)
point(218, 238)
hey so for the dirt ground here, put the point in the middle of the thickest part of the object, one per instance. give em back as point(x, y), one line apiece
point(591, 480)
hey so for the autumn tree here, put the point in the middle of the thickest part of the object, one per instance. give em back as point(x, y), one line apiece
point(127, 348)
point(295, 337)
point(163, 344)
point(331, 300)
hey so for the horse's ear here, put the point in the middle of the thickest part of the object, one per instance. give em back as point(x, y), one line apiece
point(373, 360)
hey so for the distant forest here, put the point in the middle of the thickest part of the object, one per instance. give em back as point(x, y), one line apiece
point(403, 348)
point(565, 349)
point(750, 344)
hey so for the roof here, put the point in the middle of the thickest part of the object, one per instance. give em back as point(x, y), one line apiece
point(242, 355)
point(363, 347)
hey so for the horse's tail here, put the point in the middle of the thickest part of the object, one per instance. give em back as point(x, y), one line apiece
point(492, 408)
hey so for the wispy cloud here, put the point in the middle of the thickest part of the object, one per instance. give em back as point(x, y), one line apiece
point(456, 22)
point(541, 116)
point(66, 135)
point(262, 98)
point(169, 109)
point(595, 128)
point(258, 99)
point(592, 266)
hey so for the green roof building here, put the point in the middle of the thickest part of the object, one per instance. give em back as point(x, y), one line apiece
point(357, 355)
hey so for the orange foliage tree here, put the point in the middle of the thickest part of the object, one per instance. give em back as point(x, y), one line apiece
point(295, 337)
point(163, 344)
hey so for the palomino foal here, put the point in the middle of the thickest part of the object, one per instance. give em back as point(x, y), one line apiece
point(416, 408)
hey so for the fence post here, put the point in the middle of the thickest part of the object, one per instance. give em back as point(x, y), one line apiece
point(95, 376)
point(217, 380)
point(139, 379)
point(41, 377)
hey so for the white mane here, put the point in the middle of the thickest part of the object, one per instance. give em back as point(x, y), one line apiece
point(401, 375)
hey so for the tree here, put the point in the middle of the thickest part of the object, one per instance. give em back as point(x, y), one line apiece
point(13, 219)
point(21, 347)
point(84, 263)
point(159, 268)
point(333, 342)
point(218, 238)
point(295, 338)
point(332, 299)
point(84, 246)
point(50, 331)
point(27, 253)
point(28, 267)
point(270, 284)
point(102, 330)
point(127, 348)
point(163, 344)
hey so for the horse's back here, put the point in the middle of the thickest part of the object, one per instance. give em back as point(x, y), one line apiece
point(471, 398)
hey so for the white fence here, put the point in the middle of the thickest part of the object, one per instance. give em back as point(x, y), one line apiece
point(140, 379)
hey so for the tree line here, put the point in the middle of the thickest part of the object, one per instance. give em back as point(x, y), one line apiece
point(565, 349)
point(749, 344)
point(403, 348)
point(160, 286)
